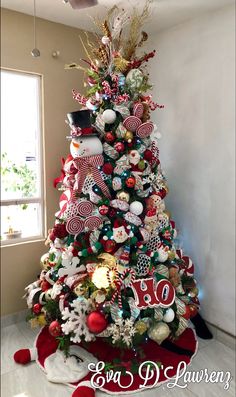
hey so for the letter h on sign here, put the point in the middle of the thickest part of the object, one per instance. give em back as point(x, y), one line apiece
point(147, 294)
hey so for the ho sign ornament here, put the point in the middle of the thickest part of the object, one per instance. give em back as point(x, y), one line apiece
point(147, 293)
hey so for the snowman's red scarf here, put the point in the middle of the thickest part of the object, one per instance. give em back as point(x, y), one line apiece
point(90, 165)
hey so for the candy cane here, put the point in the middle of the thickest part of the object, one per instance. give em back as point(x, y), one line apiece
point(120, 283)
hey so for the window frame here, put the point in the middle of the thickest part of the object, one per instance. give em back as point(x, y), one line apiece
point(40, 199)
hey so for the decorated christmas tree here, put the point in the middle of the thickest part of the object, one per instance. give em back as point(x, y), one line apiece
point(113, 274)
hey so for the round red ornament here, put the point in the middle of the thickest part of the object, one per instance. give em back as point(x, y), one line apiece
point(103, 209)
point(96, 322)
point(37, 308)
point(119, 147)
point(148, 155)
point(109, 245)
point(130, 182)
point(55, 328)
point(107, 169)
point(109, 137)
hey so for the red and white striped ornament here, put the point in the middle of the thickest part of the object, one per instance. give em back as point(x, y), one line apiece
point(144, 130)
point(75, 225)
point(131, 123)
point(65, 198)
point(188, 266)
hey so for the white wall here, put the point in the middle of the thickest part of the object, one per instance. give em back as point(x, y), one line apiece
point(194, 77)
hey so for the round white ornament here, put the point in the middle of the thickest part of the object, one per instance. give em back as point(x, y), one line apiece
point(134, 79)
point(109, 116)
point(169, 315)
point(136, 207)
point(105, 40)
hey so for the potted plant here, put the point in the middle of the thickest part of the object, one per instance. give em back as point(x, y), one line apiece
point(16, 178)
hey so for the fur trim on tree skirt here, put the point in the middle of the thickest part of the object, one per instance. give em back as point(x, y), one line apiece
point(73, 371)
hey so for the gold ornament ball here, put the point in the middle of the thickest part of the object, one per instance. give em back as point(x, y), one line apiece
point(159, 332)
point(171, 255)
point(141, 327)
point(80, 290)
point(128, 136)
point(123, 196)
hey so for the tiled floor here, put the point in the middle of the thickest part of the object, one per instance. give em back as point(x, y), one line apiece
point(30, 381)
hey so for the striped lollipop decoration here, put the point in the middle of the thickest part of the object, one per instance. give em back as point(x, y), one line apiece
point(84, 208)
point(64, 200)
point(138, 110)
point(75, 225)
point(131, 123)
point(145, 130)
point(92, 222)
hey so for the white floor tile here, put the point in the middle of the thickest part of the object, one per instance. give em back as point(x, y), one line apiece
point(12, 340)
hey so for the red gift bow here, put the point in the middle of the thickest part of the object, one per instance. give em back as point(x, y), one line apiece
point(86, 165)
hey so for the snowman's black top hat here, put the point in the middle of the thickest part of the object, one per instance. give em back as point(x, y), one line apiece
point(81, 120)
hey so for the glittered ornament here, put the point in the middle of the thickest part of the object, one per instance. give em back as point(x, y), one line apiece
point(169, 315)
point(55, 328)
point(109, 116)
point(96, 322)
point(109, 137)
point(37, 308)
point(80, 289)
point(122, 195)
point(141, 165)
point(141, 327)
point(103, 209)
point(148, 155)
point(130, 182)
point(119, 147)
point(128, 136)
point(107, 169)
point(159, 332)
point(109, 245)
point(136, 207)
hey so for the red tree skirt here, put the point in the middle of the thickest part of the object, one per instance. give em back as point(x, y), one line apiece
point(46, 345)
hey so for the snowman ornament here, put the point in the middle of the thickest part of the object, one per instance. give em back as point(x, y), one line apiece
point(85, 146)
point(85, 142)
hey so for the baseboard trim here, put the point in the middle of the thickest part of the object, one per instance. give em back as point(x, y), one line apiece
point(14, 318)
point(222, 336)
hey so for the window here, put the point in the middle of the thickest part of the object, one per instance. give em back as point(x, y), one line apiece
point(21, 157)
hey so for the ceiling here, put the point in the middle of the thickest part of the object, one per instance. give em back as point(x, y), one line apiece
point(165, 13)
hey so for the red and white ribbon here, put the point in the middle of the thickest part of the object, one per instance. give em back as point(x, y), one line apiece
point(86, 165)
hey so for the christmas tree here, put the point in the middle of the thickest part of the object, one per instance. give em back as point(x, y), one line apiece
point(113, 272)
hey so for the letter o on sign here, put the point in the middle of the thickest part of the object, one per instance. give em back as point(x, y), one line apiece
point(165, 293)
